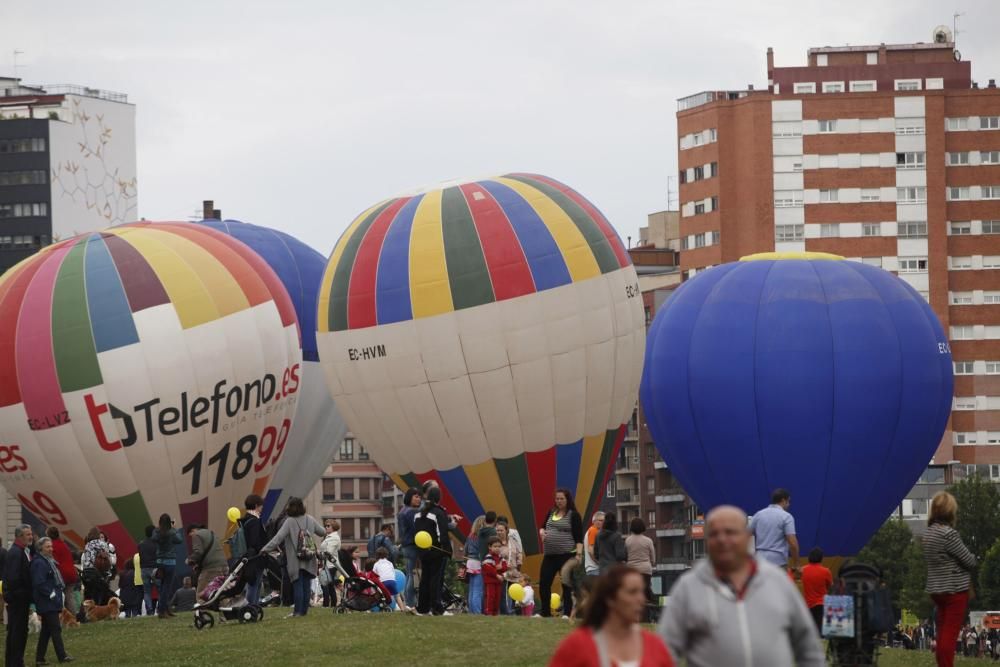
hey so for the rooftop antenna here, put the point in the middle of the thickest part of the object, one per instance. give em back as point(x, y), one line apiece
point(954, 27)
point(16, 54)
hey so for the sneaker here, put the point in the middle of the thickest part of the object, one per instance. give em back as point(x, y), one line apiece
point(292, 615)
point(565, 617)
point(536, 615)
point(413, 610)
point(447, 613)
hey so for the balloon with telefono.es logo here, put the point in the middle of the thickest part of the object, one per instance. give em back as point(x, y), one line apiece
point(318, 429)
point(830, 378)
point(488, 335)
point(147, 368)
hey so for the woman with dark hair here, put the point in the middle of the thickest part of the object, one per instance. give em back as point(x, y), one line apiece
point(641, 556)
point(611, 633)
point(411, 503)
point(562, 542)
point(166, 538)
point(297, 536)
point(609, 547)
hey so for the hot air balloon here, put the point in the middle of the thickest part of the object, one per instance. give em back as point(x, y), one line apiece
point(147, 369)
point(318, 429)
point(827, 377)
point(487, 335)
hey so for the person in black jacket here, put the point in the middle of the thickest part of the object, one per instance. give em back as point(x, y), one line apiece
point(17, 594)
point(253, 533)
point(609, 546)
point(147, 568)
point(432, 519)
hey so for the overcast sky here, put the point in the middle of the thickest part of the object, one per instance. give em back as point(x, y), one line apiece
point(298, 115)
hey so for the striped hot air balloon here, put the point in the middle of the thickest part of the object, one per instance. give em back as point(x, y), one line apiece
point(147, 369)
point(319, 428)
point(488, 335)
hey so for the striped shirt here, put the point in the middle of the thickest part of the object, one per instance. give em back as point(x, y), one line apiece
point(559, 534)
point(949, 562)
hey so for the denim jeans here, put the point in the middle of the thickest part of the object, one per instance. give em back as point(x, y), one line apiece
point(475, 593)
point(147, 589)
point(412, 559)
point(253, 589)
point(166, 589)
point(302, 592)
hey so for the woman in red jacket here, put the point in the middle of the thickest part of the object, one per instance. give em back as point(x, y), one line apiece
point(64, 559)
point(611, 635)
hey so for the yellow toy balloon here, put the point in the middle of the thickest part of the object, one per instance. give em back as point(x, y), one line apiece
point(423, 539)
point(233, 514)
point(555, 601)
point(516, 592)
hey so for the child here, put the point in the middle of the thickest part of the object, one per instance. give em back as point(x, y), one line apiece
point(494, 568)
point(370, 575)
point(386, 572)
point(528, 601)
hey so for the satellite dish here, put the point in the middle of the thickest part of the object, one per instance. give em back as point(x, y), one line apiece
point(942, 35)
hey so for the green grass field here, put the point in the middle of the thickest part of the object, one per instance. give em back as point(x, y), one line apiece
point(352, 639)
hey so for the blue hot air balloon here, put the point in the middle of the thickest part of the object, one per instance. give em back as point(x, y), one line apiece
point(830, 378)
point(318, 428)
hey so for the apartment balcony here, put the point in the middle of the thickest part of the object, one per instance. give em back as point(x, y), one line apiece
point(674, 529)
point(660, 465)
point(627, 464)
point(627, 497)
point(673, 495)
point(671, 564)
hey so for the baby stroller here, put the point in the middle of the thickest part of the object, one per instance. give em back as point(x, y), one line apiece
point(359, 594)
point(453, 602)
point(226, 598)
point(872, 616)
point(96, 585)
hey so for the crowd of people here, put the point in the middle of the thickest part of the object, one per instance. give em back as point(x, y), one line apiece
point(740, 603)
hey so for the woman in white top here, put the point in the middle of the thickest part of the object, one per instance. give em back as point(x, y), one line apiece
point(328, 549)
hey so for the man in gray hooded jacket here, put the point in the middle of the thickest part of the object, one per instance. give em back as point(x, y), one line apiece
point(732, 610)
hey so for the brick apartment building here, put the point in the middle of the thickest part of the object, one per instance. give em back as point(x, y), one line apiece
point(884, 154)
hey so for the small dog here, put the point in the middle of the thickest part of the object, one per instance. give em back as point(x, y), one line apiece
point(100, 612)
point(34, 623)
point(68, 619)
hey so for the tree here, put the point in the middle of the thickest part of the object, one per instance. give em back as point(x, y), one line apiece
point(913, 597)
point(887, 550)
point(978, 514)
point(988, 588)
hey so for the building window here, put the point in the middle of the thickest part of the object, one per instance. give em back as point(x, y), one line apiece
point(956, 194)
point(960, 228)
point(991, 298)
point(911, 195)
point(712, 135)
point(907, 84)
point(650, 484)
point(989, 157)
point(956, 124)
point(863, 86)
point(715, 238)
point(329, 490)
point(829, 230)
point(699, 173)
point(991, 261)
point(364, 489)
point(961, 298)
point(347, 449)
point(906, 126)
point(699, 240)
point(910, 160)
point(833, 86)
point(804, 88)
point(650, 451)
point(871, 229)
point(33, 177)
point(347, 489)
point(699, 208)
point(787, 198)
point(957, 159)
point(993, 367)
point(821, 59)
point(651, 519)
point(362, 453)
point(912, 230)
point(684, 243)
point(871, 194)
point(611, 488)
point(913, 265)
point(827, 126)
point(366, 529)
point(786, 129)
point(991, 226)
point(990, 191)
point(32, 210)
point(872, 261)
point(960, 263)
point(713, 169)
point(989, 122)
point(714, 202)
point(962, 332)
point(827, 196)
point(36, 145)
point(797, 166)
point(871, 58)
point(788, 233)
point(347, 530)
point(965, 403)
point(682, 176)
point(963, 368)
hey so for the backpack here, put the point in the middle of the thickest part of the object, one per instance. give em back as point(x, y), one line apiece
point(380, 540)
point(305, 546)
point(237, 543)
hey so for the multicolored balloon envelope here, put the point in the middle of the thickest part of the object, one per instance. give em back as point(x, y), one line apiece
point(488, 335)
point(319, 428)
point(148, 368)
point(830, 378)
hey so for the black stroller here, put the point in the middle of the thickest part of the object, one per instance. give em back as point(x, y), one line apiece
point(228, 601)
point(359, 593)
point(873, 616)
point(96, 585)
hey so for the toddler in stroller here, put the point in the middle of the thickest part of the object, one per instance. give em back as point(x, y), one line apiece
point(360, 593)
point(224, 595)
